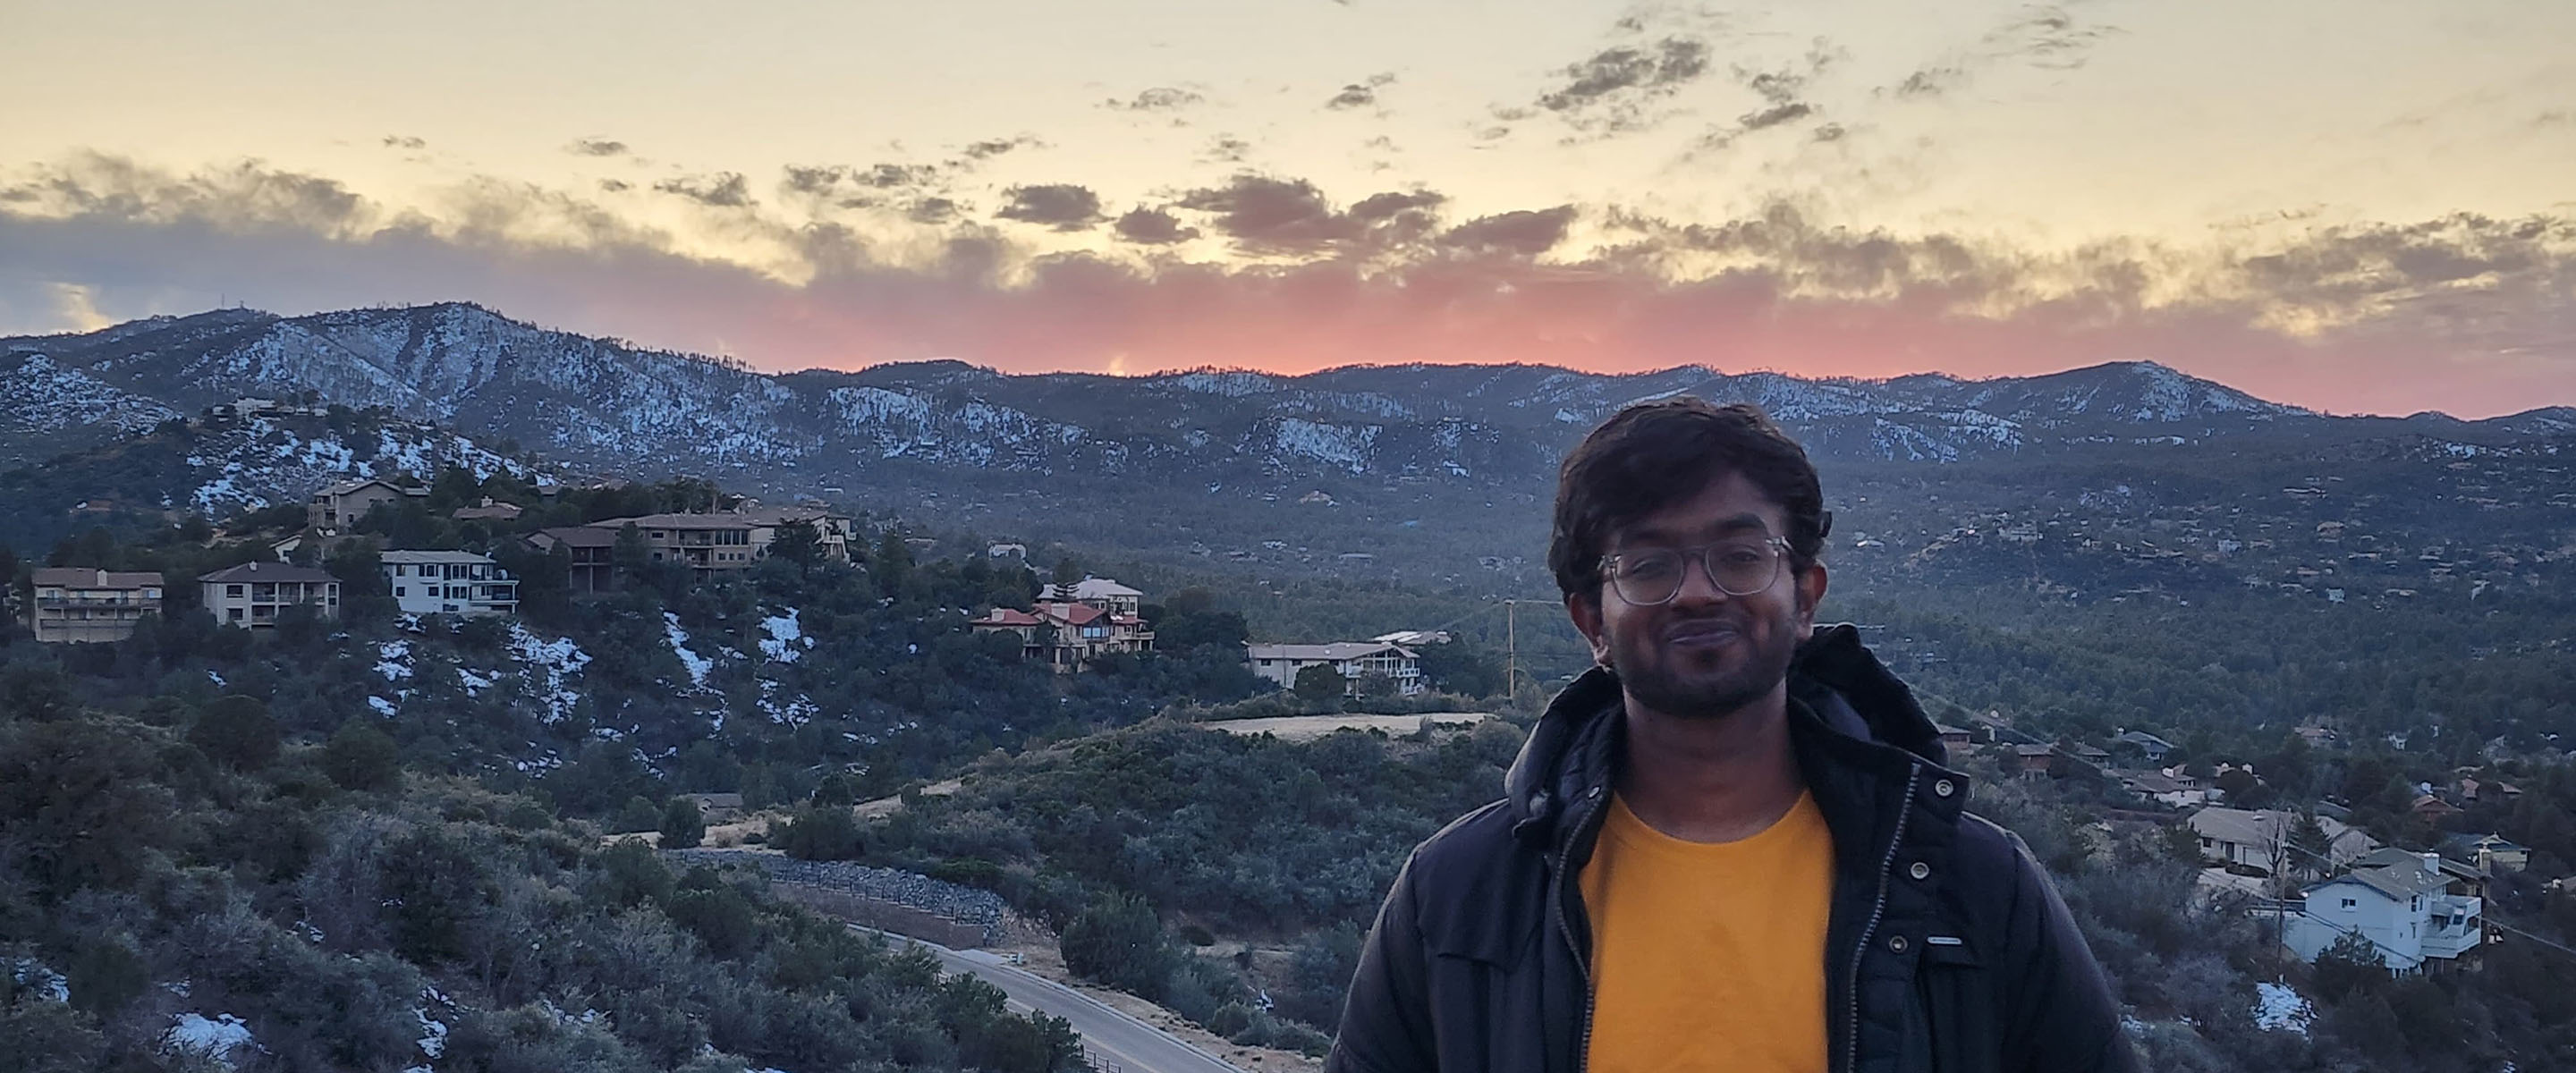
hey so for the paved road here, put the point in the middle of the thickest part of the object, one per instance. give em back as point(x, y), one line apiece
point(1112, 1036)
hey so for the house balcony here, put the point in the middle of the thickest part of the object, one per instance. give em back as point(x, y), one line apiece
point(2442, 939)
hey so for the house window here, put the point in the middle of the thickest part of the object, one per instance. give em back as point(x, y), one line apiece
point(401, 591)
point(2349, 903)
point(233, 591)
point(2416, 904)
point(236, 614)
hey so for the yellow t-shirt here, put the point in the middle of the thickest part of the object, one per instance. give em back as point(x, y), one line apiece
point(1709, 955)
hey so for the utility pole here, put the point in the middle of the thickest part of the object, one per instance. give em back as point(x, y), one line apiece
point(1512, 650)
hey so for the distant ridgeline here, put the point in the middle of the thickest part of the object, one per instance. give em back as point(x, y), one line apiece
point(2113, 477)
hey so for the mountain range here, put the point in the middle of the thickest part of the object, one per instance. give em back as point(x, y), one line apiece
point(948, 441)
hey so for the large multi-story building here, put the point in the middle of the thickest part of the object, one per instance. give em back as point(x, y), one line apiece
point(2408, 910)
point(450, 583)
point(1355, 661)
point(729, 540)
point(1067, 634)
point(253, 595)
point(590, 554)
point(76, 604)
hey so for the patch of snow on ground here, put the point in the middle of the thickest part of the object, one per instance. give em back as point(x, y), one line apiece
point(216, 1039)
point(553, 661)
point(433, 1034)
point(47, 984)
point(474, 683)
point(393, 660)
point(786, 637)
point(211, 676)
point(382, 706)
point(697, 665)
point(2277, 1008)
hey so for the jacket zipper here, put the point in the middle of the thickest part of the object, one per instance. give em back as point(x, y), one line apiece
point(1565, 930)
point(1877, 909)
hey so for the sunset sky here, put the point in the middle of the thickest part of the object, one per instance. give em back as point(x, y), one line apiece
point(2355, 205)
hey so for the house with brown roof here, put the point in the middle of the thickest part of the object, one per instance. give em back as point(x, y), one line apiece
point(1068, 635)
point(75, 604)
point(341, 505)
point(729, 540)
point(487, 511)
point(254, 595)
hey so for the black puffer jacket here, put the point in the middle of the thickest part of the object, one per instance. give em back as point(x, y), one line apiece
point(1946, 950)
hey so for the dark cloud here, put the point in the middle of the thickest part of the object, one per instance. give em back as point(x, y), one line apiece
point(857, 187)
point(1387, 206)
point(1610, 90)
point(1361, 94)
point(933, 210)
point(723, 190)
point(1527, 233)
point(1153, 227)
point(1063, 206)
point(615, 186)
point(1931, 82)
point(248, 194)
point(596, 147)
point(1271, 214)
point(990, 148)
point(1157, 99)
point(1775, 115)
point(405, 141)
point(1226, 149)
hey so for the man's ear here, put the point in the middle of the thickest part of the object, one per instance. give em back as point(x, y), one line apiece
point(1586, 613)
point(1811, 592)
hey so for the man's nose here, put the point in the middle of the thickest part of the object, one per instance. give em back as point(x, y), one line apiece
point(1699, 584)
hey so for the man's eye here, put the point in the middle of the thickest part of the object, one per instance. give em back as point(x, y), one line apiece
point(1741, 555)
point(1652, 566)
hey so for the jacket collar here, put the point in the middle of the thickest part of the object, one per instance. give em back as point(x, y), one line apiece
point(1846, 711)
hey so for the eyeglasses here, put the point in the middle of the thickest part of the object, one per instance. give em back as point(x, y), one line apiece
point(1654, 576)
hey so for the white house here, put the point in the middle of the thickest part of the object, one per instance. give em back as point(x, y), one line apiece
point(1353, 660)
point(2403, 909)
point(450, 583)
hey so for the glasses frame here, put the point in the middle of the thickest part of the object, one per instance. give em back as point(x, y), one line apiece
point(1699, 553)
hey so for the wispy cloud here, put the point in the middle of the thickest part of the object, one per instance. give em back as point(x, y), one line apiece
point(596, 147)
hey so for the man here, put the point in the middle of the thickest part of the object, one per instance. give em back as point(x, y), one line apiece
point(1732, 845)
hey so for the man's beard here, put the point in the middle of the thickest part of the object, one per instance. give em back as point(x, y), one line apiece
point(1646, 670)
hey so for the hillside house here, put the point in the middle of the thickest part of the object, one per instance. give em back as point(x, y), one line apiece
point(487, 511)
point(79, 604)
point(591, 553)
point(2259, 840)
point(2168, 790)
point(2148, 746)
point(2488, 854)
point(450, 583)
point(2404, 909)
point(341, 505)
point(253, 595)
point(1068, 636)
point(1353, 660)
point(728, 540)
